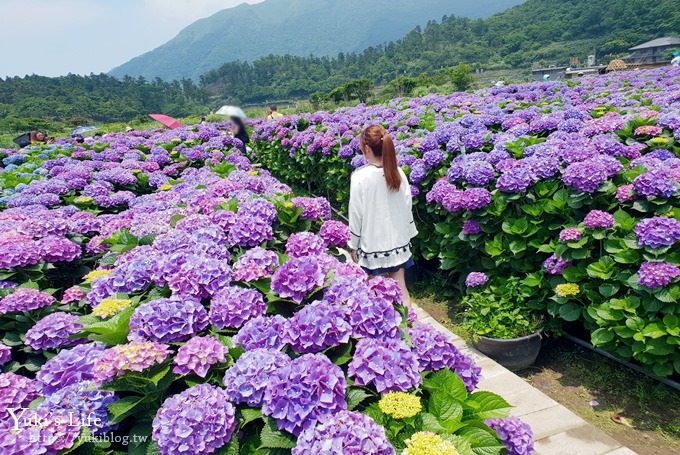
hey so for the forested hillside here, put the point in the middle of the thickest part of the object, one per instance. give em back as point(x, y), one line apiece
point(537, 31)
point(25, 102)
point(295, 27)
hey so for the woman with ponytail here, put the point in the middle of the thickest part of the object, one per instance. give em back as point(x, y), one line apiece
point(380, 215)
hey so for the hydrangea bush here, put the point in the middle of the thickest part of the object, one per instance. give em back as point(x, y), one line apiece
point(156, 284)
point(500, 176)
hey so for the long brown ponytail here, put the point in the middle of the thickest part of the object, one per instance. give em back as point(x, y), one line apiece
point(380, 142)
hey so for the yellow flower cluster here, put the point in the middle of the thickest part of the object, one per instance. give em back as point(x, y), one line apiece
point(97, 274)
point(400, 405)
point(110, 307)
point(82, 200)
point(425, 443)
point(165, 187)
point(567, 290)
point(661, 140)
point(253, 173)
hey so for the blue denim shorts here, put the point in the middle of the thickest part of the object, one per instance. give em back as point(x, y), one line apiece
point(384, 271)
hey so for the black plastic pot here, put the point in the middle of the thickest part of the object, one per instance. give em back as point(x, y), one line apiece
point(514, 354)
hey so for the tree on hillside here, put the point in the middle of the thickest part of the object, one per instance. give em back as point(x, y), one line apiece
point(461, 77)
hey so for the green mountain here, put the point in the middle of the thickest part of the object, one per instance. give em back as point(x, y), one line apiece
point(294, 27)
point(540, 32)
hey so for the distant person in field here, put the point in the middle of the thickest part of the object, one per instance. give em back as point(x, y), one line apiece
point(676, 59)
point(380, 211)
point(240, 132)
point(38, 137)
point(274, 113)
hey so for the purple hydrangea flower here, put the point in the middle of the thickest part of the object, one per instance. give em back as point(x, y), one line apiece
point(198, 354)
point(475, 198)
point(167, 320)
point(314, 209)
point(260, 208)
point(73, 294)
point(317, 327)
point(478, 173)
point(247, 379)
point(69, 366)
point(433, 158)
point(304, 391)
point(349, 433)
point(387, 365)
point(385, 288)
point(18, 251)
point(255, 264)
point(570, 235)
point(261, 332)
point(335, 233)
point(471, 227)
point(53, 331)
point(297, 278)
point(418, 172)
point(435, 352)
point(25, 299)
point(657, 183)
point(515, 180)
point(554, 265)
point(343, 288)
point(658, 232)
point(86, 401)
point(130, 357)
point(233, 306)
point(625, 193)
point(304, 244)
point(17, 391)
point(5, 354)
point(197, 276)
point(516, 435)
point(597, 219)
point(250, 231)
point(5, 284)
point(476, 279)
point(199, 420)
point(585, 176)
point(58, 249)
point(656, 275)
point(372, 317)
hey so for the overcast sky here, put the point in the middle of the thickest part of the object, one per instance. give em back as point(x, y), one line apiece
point(57, 37)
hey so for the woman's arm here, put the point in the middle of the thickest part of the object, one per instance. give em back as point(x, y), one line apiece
point(413, 231)
point(355, 214)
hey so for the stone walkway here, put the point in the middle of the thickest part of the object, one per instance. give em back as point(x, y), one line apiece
point(557, 430)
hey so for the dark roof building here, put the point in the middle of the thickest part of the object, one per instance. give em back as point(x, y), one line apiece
point(652, 51)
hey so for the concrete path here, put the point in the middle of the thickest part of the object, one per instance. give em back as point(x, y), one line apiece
point(557, 430)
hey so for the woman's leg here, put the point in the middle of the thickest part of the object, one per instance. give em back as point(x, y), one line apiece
point(400, 277)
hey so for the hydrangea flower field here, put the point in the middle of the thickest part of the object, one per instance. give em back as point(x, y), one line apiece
point(161, 294)
point(571, 187)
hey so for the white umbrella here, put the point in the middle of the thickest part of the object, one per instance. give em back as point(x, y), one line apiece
point(231, 111)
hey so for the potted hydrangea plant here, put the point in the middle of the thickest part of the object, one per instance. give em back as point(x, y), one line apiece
point(504, 320)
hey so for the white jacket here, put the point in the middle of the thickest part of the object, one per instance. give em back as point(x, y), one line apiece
point(380, 220)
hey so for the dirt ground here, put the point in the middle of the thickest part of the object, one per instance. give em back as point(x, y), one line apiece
point(639, 412)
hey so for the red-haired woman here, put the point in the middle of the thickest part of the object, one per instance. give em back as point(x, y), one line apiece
point(380, 215)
